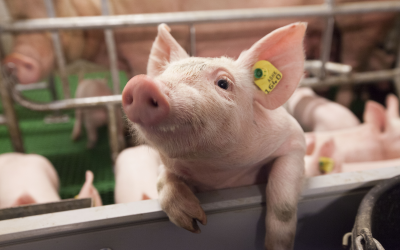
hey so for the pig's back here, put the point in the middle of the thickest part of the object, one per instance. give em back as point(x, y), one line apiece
point(31, 175)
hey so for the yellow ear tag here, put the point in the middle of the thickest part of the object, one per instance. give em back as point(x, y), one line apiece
point(326, 165)
point(266, 76)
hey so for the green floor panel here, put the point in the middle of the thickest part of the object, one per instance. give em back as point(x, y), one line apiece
point(53, 141)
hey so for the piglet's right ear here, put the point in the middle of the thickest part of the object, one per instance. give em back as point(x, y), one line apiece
point(165, 50)
point(284, 49)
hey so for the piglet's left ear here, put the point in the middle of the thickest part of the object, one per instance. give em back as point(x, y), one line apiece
point(284, 49)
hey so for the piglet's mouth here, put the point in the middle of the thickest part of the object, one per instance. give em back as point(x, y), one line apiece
point(172, 128)
point(182, 129)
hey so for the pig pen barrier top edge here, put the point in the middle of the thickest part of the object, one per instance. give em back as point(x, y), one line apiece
point(39, 227)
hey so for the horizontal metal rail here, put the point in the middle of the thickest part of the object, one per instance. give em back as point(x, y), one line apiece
point(192, 17)
point(67, 103)
point(355, 78)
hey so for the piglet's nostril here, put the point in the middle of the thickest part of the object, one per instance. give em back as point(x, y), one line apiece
point(154, 102)
point(128, 100)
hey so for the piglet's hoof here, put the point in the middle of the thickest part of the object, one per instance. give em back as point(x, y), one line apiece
point(182, 207)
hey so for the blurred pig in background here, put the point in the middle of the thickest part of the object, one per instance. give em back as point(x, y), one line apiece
point(30, 179)
point(33, 55)
point(214, 129)
point(315, 113)
point(93, 118)
point(377, 139)
point(27, 179)
point(361, 166)
point(136, 173)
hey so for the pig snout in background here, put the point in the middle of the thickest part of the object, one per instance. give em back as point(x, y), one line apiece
point(27, 179)
point(213, 127)
point(377, 139)
point(96, 117)
point(30, 179)
point(34, 57)
point(315, 113)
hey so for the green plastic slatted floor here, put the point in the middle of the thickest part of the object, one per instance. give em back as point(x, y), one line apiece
point(53, 141)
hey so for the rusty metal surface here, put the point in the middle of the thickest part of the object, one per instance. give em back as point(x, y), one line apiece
point(44, 208)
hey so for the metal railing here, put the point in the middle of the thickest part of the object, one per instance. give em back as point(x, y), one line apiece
point(328, 11)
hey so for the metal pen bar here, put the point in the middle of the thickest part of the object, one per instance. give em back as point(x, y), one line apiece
point(111, 49)
point(193, 17)
point(396, 79)
point(354, 78)
point(2, 120)
point(10, 116)
point(192, 40)
point(55, 36)
point(326, 39)
point(336, 68)
point(112, 54)
point(113, 131)
point(86, 102)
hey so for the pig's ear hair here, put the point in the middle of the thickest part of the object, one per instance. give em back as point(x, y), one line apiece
point(284, 49)
point(392, 106)
point(374, 114)
point(310, 142)
point(165, 50)
point(327, 148)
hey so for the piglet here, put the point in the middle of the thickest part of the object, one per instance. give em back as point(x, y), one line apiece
point(93, 118)
point(214, 128)
point(27, 179)
point(136, 172)
point(361, 166)
point(377, 139)
point(315, 113)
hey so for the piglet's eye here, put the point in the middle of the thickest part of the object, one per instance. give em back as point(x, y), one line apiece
point(223, 84)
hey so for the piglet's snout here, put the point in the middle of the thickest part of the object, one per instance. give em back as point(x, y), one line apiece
point(144, 102)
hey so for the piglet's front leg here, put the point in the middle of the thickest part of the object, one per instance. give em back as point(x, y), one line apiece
point(179, 202)
point(282, 192)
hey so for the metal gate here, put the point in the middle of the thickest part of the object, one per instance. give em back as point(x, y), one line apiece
point(107, 22)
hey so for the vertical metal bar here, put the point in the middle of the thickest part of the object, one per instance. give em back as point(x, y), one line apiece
point(192, 40)
point(327, 39)
point(55, 36)
point(11, 120)
point(52, 87)
point(111, 49)
point(113, 131)
point(396, 79)
point(112, 117)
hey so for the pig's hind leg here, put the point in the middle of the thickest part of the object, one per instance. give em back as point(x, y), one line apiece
point(76, 132)
point(91, 130)
point(282, 192)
